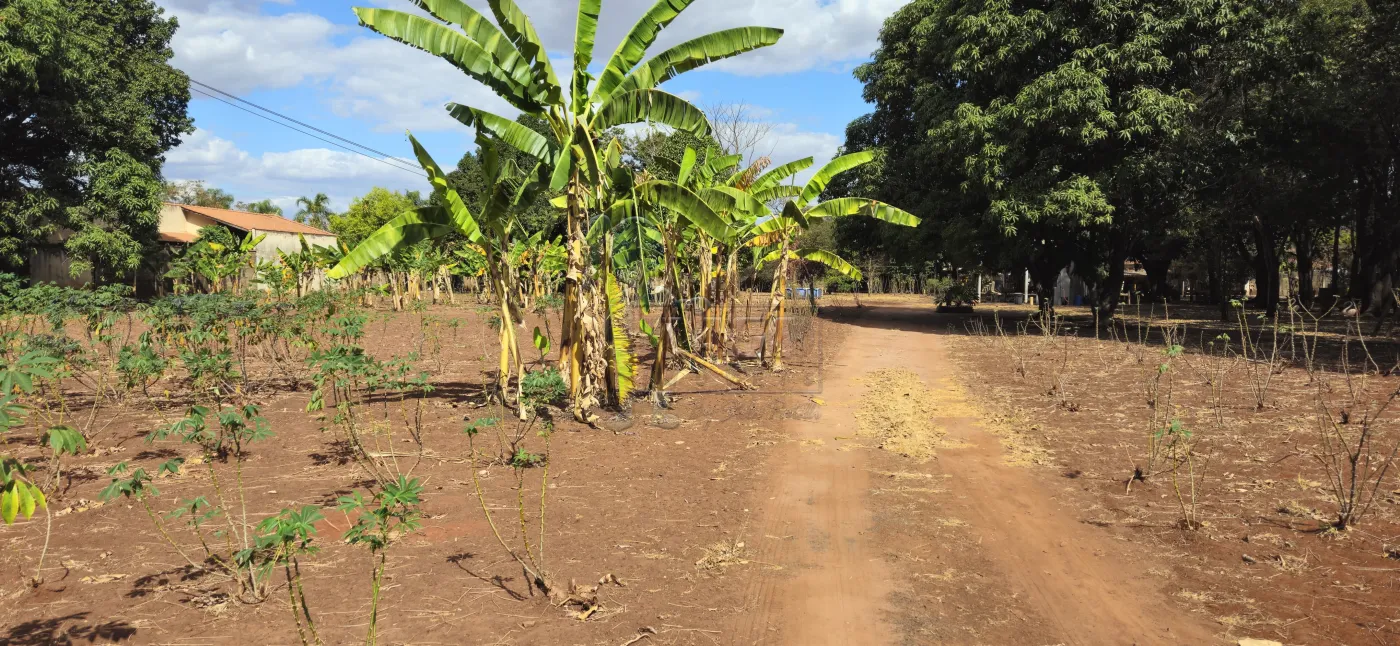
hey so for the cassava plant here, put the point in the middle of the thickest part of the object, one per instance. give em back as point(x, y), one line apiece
point(21, 497)
point(223, 436)
point(392, 511)
point(540, 389)
point(281, 541)
point(1261, 362)
point(1357, 447)
point(1160, 389)
point(1187, 467)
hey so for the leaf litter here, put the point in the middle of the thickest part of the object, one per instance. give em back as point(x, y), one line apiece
point(898, 410)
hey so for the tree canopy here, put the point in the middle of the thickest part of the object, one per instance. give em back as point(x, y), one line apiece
point(371, 211)
point(89, 104)
point(195, 193)
point(1220, 135)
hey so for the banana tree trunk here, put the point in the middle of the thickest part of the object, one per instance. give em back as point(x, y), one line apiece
point(581, 343)
point(707, 294)
point(676, 300)
point(775, 312)
point(510, 357)
point(396, 291)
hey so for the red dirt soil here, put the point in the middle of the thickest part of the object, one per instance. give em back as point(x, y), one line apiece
point(766, 517)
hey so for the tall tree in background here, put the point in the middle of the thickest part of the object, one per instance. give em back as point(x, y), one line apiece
point(260, 206)
point(470, 182)
point(195, 193)
point(88, 107)
point(315, 211)
point(1371, 86)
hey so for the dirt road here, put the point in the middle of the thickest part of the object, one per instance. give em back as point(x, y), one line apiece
point(1022, 567)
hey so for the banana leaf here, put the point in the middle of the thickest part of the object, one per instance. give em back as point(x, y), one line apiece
point(698, 52)
point(463, 53)
point(835, 167)
point(656, 106)
point(624, 362)
point(830, 260)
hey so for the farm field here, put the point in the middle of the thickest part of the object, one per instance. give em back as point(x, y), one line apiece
point(490, 322)
point(639, 504)
point(933, 479)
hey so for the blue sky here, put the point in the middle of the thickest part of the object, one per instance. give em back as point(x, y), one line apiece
point(308, 59)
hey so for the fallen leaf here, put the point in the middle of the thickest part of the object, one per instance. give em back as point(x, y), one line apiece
point(104, 578)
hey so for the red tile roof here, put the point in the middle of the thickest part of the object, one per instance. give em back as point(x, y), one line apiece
point(251, 221)
point(178, 236)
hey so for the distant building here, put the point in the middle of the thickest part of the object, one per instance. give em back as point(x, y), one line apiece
point(179, 226)
point(180, 223)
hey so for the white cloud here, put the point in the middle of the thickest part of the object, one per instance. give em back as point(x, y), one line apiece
point(400, 88)
point(817, 33)
point(284, 176)
point(787, 142)
point(236, 48)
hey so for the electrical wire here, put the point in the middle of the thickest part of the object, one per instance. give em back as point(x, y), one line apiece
point(385, 157)
point(287, 118)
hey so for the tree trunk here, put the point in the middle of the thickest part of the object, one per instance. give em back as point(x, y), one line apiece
point(1337, 259)
point(1266, 279)
point(396, 291)
point(581, 340)
point(1043, 275)
point(1112, 287)
point(1303, 242)
point(1360, 288)
point(1215, 272)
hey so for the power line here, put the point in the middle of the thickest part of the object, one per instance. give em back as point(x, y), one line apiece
point(287, 118)
point(386, 162)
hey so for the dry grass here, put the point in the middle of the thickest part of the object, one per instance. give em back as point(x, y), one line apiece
point(722, 555)
point(898, 410)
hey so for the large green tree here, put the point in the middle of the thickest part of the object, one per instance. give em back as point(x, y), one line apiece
point(1019, 130)
point(89, 104)
point(369, 212)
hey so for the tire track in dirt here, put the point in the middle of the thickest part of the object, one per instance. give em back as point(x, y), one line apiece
point(1081, 581)
point(835, 586)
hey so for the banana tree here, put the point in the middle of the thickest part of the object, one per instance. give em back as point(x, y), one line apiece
point(490, 229)
point(777, 236)
point(717, 180)
point(509, 58)
point(681, 216)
